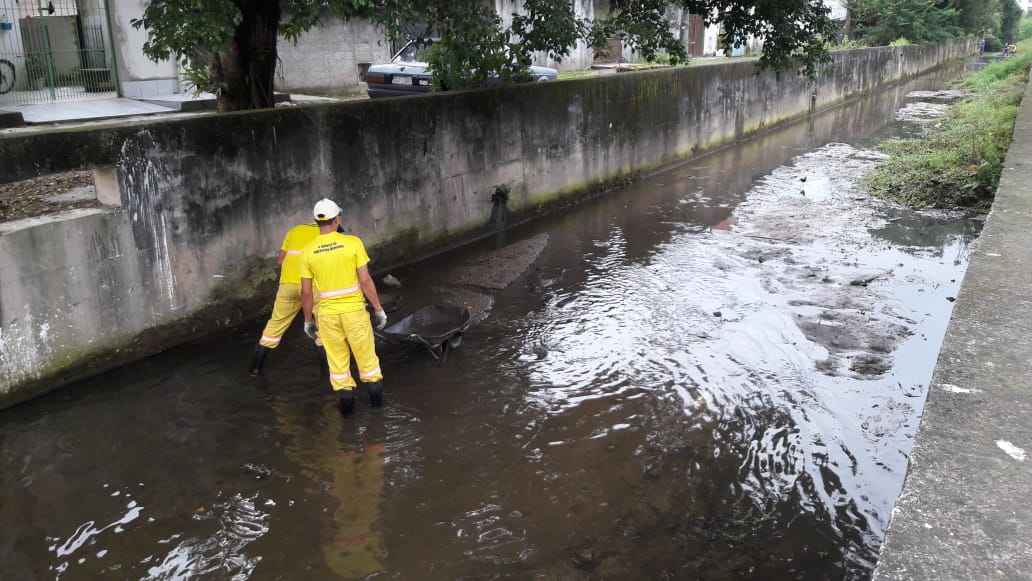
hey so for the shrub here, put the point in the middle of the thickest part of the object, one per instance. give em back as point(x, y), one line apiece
point(959, 163)
point(900, 42)
point(848, 44)
point(660, 58)
point(1025, 28)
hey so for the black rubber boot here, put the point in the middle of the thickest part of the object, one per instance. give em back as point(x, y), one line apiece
point(259, 359)
point(375, 393)
point(324, 365)
point(347, 401)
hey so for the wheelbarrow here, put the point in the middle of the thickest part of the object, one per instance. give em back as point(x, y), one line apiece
point(438, 328)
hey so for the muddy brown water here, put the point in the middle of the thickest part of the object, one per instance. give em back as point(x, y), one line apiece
point(716, 373)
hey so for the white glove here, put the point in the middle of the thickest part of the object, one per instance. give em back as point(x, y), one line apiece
point(381, 319)
point(311, 329)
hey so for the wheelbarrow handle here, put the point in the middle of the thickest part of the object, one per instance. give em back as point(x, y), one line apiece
point(434, 351)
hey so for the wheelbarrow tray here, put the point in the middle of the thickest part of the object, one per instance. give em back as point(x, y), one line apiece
point(432, 327)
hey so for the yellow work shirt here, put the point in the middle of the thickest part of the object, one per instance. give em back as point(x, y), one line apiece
point(294, 245)
point(332, 262)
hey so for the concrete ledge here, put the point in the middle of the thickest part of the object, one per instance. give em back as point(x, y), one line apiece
point(966, 508)
point(11, 119)
point(190, 103)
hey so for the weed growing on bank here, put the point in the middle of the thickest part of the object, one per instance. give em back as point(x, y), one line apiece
point(958, 163)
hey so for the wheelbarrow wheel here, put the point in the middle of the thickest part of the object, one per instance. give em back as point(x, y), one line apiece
point(455, 341)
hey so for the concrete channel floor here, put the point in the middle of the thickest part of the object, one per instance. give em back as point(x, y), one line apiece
point(966, 507)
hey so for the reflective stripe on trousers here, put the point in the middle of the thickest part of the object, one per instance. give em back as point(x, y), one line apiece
point(287, 306)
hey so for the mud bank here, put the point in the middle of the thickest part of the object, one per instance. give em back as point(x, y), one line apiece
point(964, 512)
point(194, 205)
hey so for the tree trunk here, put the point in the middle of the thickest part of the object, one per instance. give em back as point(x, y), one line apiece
point(245, 71)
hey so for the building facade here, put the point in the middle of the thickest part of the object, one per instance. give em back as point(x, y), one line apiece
point(74, 50)
point(328, 59)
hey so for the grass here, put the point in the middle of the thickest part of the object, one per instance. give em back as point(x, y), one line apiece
point(958, 163)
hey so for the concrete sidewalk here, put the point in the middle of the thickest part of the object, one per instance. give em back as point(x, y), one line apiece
point(966, 509)
point(86, 110)
point(121, 107)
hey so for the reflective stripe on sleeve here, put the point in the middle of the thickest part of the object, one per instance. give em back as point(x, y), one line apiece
point(341, 292)
point(339, 376)
point(294, 252)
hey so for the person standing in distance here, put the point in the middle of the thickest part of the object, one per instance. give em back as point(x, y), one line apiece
point(337, 264)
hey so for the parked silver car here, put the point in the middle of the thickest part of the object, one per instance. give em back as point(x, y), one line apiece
point(407, 74)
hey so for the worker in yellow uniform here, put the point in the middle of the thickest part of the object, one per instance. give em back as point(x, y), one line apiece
point(337, 265)
point(288, 297)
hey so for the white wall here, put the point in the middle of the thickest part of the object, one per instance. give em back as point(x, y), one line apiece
point(580, 57)
point(753, 47)
point(325, 59)
point(710, 41)
point(138, 75)
point(838, 9)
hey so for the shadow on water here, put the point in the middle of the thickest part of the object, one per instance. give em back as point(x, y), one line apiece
point(715, 373)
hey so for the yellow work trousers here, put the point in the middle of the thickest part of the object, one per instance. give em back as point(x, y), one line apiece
point(287, 306)
point(344, 334)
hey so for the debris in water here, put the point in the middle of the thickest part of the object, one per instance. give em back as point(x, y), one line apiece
point(868, 279)
point(498, 269)
point(1011, 450)
point(950, 388)
point(922, 113)
point(392, 281)
point(871, 365)
point(944, 95)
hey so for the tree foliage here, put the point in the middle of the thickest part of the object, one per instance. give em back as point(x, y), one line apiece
point(1025, 28)
point(880, 22)
point(229, 46)
point(977, 16)
point(1010, 17)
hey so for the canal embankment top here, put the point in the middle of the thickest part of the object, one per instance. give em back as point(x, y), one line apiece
point(965, 511)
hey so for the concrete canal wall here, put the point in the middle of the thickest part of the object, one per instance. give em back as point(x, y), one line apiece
point(964, 512)
point(196, 205)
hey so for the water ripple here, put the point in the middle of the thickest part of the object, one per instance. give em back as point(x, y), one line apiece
point(237, 522)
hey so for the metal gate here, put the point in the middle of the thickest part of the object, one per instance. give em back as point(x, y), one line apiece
point(55, 51)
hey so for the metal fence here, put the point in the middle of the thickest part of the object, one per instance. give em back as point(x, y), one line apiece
point(54, 51)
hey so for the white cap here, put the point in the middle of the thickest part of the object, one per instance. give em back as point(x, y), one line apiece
point(326, 209)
